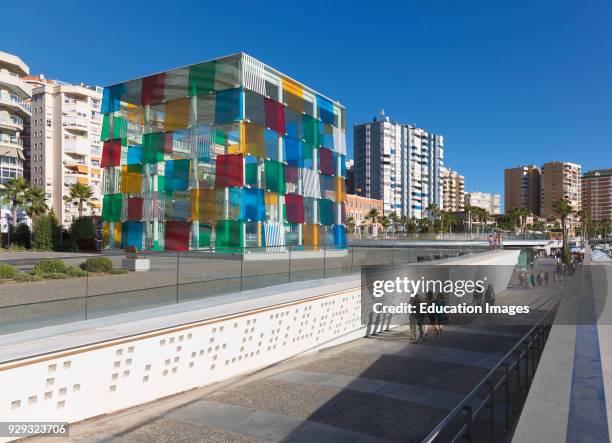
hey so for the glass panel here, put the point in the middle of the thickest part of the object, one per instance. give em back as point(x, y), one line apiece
point(275, 176)
point(177, 235)
point(229, 171)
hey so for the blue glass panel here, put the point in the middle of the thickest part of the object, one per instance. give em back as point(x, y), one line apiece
point(253, 203)
point(235, 210)
point(271, 142)
point(134, 155)
point(342, 172)
point(203, 137)
point(177, 175)
point(292, 123)
point(293, 152)
point(181, 209)
point(228, 106)
point(131, 234)
point(111, 98)
point(339, 236)
point(326, 110)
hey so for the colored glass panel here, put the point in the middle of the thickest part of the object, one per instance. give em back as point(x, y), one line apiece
point(205, 233)
point(202, 78)
point(326, 161)
point(293, 152)
point(131, 179)
point(271, 142)
point(111, 153)
point(134, 155)
point(292, 123)
point(326, 211)
point(275, 176)
point(292, 179)
point(111, 207)
point(339, 235)
point(228, 106)
point(154, 146)
point(111, 98)
point(310, 130)
point(340, 185)
point(275, 115)
point(295, 208)
point(326, 110)
point(310, 235)
point(229, 171)
point(131, 234)
point(176, 114)
point(254, 108)
point(253, 203)
point(229, 236)
point(177, 235)
point(152, 89)
point(177, 175)
point(253, 139)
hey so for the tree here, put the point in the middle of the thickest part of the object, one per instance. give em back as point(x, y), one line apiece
point(584, 221)
point(468, 210)
point(13, 193)
point(36, 203)
point(81, 195)
point(350, 224)
point(372, 215)
point(563, 209)
point(394, 220)
point(433, 211)
point(384, 222)
point(605, 225)
point(448, 219)
point(43, 232)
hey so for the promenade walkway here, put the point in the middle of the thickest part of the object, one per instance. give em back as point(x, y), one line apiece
point(374, 389)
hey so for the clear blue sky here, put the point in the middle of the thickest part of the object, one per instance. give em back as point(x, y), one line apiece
point(506, 82)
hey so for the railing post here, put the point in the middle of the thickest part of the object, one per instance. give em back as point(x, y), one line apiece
point(470, 419)
point(241, 262)
point(517, 368)
point(491, 385)
point(506, 398)
point(526, 366)
point(177, 276)
point(289, 264)
point(324, 257)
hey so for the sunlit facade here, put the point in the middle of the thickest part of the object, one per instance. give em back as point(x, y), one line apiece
point(228, 154)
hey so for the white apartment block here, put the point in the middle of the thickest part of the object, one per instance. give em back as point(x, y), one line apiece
point(490, 202)
point(65, 144)
point(15, 114)
point(453, 185)
point(399, 164)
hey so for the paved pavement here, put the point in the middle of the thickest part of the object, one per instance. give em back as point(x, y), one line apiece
point(375, 389)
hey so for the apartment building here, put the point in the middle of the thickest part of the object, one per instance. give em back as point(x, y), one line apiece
point(359, 207)
point(399, 164)
point(453, 186)
point(15, 115)
point(65, 143)
point(597, 194)
point(522, 188)
point(560, 180)
point(490, 202)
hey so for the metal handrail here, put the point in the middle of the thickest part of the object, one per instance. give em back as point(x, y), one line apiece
point(464, 404)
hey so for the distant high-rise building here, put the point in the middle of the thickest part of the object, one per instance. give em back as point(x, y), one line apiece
point(350, 177)
point(490, 202)
point(399, 164)
point(522, 188)
point(560, 180)
point(597, 194)
point(453, 185)
point(15, 116)
point(66, 147)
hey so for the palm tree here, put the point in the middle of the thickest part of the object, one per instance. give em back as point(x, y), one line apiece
point(36, 203)
point(350, 224)
point(523, 213)
point(584, 220)
point(468, 210)
point(81, 195)
point(563, 209)
point(394, 220)
point(605, 224)
point(384, 222)
point(14, 193)
point(449, 219)
point(433, 211)
point(372, 215)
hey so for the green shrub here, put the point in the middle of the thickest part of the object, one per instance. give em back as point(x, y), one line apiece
point(55, 275)
point(97, 264)
point(44, 232)
point(118, 271)
point(83, 233)
point(6, 271)
point(16, 248)
point(49, 265)
point(73, 271)
point(25, 276)
point(21, 237)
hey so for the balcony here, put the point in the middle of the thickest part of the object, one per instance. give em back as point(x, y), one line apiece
point(75, 122)
point(12, 141)
point(15, 102)
point(15, 83)
point(12, 122)
point(77, 145)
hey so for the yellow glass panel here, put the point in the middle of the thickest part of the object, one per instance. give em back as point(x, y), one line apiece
point(117, 233)
point(194, 212)
point(131, 182)
point(252, 138)
point(310, 235)
point(340, 186)
point(134, 114)
point(292, 87)
point(271, 198)
point(207, 204)
point(176, 114)
point(105, 232)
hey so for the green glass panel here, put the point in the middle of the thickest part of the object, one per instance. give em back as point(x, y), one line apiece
point(153, 147)
point(275, 176)
point(310, 130)
point(105, 134)
point(220, 137)
point(204, 237)
point(119, 128)
point(326, 211)
point(111, 207)
point(250, 174)
point(202, 78)
point(229, 236)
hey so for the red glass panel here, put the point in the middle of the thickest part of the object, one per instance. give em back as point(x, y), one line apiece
point(135, 206)
point(111, 153)
point(294, 205)
point(152, 89)
point(326, 161)
point(229, 171)
point(177, 235)
point(275, 115)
